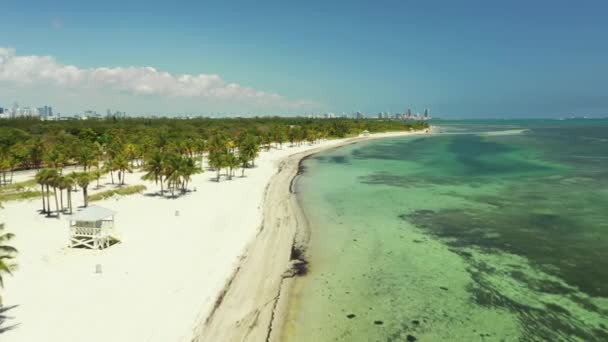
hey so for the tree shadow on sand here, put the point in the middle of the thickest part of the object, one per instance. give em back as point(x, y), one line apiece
point(4, 327)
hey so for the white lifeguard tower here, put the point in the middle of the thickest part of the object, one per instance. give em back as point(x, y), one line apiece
point(365, 133)
point(92, 227)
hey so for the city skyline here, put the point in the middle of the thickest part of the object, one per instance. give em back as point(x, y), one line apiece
point(465, 59)
point(47, 112)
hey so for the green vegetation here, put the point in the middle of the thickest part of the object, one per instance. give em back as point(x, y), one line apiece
point(19, 186)
point(123, 191)
point(7, 265)
point(17, 196)
point(169, 151)
point(7, 253)
point(18, 191)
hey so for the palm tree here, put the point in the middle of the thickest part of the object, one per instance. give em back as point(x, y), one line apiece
point(53, 180)
point(200, 146)
point(36, 152)
point(3, 167)
point(12, 163)
point(41, 180)
point(249, 148)
point(154, 169)
point(266, 138)
point(232, 162)
point(171, 171)
point(279, 135)
point(97, 175)
point(7, 164)
point(83, 179)
point(86, 156)
point(66, 183)
point(186, 169)
point(218, 142)
point(131, 152)
point(109, 167)
point(47, 178)
point(54, 158)
point(244, 161)
point(217, 161)
point(7, 253)
point(121, 163)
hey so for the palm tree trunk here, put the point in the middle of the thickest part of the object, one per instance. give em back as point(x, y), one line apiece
point(86, 196)
point(43, 201)
point(70, 199)
point(61, 198)
point(56, 201)
point(112, 175)
point(48, 200)
point(162, 190)
point(218, 174)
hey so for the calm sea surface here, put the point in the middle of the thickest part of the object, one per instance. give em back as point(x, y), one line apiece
point(467, 235)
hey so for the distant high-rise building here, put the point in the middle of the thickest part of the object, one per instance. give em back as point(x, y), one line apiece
point(409, 112)
point(426, 113)
point(45, 113)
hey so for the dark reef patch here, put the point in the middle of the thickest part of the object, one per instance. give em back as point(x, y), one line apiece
point(547, 240)
point(580, 262)
point(339, 159)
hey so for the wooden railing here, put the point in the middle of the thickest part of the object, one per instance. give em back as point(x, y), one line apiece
point(105, 229)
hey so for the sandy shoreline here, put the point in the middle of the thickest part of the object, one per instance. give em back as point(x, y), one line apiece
point(253, 304)
point(164, 281)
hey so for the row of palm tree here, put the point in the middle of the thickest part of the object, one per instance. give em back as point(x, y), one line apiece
point(227, 154)
point(8, 164)
point(172, 169)
point(31, 144)
point(51, 178)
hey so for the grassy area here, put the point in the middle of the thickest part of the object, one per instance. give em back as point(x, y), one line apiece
point(18, 186)
point(18, 191)
point(127, 190)
point(21, 195)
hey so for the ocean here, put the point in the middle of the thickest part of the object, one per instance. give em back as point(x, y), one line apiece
point(490, 230)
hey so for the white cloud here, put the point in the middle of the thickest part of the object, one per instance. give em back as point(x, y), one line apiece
point(45, 70)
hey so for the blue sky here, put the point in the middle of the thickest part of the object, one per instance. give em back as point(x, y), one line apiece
point(459, 58)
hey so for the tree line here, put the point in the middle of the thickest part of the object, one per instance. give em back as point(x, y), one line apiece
point(169, 151)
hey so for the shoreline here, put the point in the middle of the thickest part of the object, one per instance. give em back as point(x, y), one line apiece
point(205, 240)
point(253, 303)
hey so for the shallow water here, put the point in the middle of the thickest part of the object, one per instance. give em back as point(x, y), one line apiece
point(463, 236)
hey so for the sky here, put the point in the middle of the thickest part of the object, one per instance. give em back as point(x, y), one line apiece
point(458, 58)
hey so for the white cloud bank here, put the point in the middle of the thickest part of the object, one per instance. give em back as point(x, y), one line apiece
point(45, 70)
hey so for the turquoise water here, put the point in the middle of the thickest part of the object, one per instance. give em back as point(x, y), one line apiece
point(467, 235)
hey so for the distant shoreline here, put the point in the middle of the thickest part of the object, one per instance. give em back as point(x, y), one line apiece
point(253, 304)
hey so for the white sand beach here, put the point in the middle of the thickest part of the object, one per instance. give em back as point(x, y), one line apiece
point(162, 281)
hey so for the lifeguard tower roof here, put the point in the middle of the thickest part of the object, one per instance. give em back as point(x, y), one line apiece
point(91, 214)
